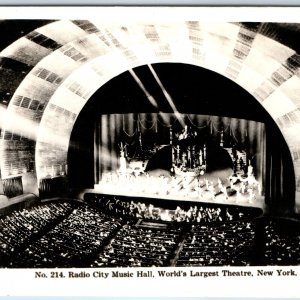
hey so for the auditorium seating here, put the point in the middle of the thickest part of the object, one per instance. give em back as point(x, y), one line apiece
point(20, 226)
point(72, 241)
point(282, 242)
point(177, 211)
point(136, 246)
point(225, 244)
point(69, 233)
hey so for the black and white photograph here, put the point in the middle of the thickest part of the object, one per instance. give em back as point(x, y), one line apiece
point(163, 141)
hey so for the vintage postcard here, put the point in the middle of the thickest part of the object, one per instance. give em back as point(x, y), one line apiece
point(149, 151)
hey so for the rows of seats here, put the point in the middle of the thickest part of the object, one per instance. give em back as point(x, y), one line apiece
point(72, 241)
point(282, 242)
point(74, 234)
point(136, 246)
point(218, 245)
point(19, 227)
point(120, 205)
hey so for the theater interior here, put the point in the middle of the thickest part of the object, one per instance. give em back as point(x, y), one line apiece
point(149, 143)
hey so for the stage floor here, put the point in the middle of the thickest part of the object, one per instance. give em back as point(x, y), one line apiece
point(180, 196)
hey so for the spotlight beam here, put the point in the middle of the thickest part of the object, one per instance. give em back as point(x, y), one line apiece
point(143, 88)
point(167, 96)
point(148, 95)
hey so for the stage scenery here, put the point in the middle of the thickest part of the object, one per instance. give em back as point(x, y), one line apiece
point(149, 144)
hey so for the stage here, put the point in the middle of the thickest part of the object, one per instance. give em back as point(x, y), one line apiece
point(181, 189)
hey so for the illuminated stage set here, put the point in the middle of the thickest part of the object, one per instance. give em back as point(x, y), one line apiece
point(182, 156)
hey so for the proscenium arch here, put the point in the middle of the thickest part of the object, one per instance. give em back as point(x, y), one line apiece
point(180, 81)
point(234, 50)
point(117, 59)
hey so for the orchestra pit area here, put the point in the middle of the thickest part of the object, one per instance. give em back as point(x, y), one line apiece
point(119, 231)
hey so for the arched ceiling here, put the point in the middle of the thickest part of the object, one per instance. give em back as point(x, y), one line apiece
point(48, 75)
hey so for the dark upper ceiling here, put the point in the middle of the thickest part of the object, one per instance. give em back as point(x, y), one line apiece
point(12, 30)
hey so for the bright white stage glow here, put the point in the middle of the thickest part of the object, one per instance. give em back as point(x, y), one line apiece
point(182, 188)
